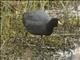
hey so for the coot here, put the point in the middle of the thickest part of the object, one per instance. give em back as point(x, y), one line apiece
point(39, 22)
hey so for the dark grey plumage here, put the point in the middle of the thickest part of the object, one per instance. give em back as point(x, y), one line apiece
point(39, 22)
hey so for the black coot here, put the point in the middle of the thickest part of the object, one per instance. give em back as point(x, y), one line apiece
point(39, 22)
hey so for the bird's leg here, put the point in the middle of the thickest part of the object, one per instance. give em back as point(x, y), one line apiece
point(42, 45)
point(42, 41)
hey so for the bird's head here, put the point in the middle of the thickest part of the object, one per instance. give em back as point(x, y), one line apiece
point(54, 21)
